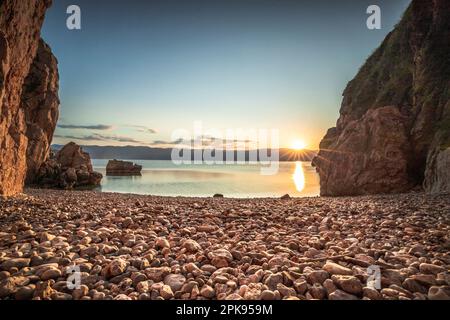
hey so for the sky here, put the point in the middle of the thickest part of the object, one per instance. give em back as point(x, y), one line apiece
point(139, 70)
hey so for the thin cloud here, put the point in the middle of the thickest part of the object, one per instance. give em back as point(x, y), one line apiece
point(84, 138)
point(149, 130)
point(89, 127)
point(165, 142)
point(143, 129)
point(100, 137)
point(203, 141)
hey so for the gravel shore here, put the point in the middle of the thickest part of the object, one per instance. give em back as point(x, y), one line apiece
point(145, 248)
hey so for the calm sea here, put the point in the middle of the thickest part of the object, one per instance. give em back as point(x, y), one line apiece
point(298, 179)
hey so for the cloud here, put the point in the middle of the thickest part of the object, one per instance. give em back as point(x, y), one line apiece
point(149, 130)
point(100, 137)
point(143, 129)
point(85, 138)
point(165, 142)
point(204, 141)
point(89, 127)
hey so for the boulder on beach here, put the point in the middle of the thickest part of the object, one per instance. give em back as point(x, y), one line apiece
point(122, 168)
point(70, 168)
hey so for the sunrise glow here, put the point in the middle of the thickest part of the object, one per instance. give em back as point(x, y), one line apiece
point(298, 145)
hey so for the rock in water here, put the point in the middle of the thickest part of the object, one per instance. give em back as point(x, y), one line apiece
point(20, 24)
point(394, 127)
point(70, 168)
point(122, 168)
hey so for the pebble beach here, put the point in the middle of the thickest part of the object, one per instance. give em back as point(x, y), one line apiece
point(133, 247)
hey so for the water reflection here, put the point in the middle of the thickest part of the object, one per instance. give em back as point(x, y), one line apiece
point(240, 181)
point(299, 177)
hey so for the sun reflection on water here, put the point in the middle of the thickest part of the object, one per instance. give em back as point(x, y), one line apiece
point(299, 177)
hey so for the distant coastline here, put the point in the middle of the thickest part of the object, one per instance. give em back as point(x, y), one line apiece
point(148, 153)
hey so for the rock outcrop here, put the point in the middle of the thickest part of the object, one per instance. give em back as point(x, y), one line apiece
point(122, 168)
point(393, 133)
point(20, 24)
point(69, 168)
point(41, 104)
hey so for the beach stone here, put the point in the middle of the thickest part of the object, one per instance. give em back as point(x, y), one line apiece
point(79, 293)
point(431, 268)
point(166, 292)
point(341, 295)
point(334, 268)
point(371, 293)
point(18, 263)
point(300, 286)
point(7, 287)
point(329, 286)
point(45, 236)
point(175, 281)
point(114, 268)
point(144, 286)
point(89, 251)
point(273, 280)
point(101, 296)
point(233, 297)
point(426, 279)
point(439, 293)
point(162, 243)
point(4, 275)
point(317, 291)
point(51, 274)
point(191, 245)
point(157, 274)
point(44, 290)
point(267, 295)
point(414, 286)
point(25, 293)
point(349, 284)
point(285, 291)
point(208, 268)
point(61, 296)
point(206, 228)
point(220, 258)
point(393, 276)
point(418, 250)
point(207, 292)
point(192, 268)
point(317, 276)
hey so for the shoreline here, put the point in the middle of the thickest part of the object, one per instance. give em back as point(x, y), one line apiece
point(141, 247)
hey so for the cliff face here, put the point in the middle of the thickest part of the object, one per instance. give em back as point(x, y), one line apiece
point(20, 24)
point(41, 104)
point(393, 132)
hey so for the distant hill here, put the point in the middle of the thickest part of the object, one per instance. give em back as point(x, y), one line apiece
point(148, 153)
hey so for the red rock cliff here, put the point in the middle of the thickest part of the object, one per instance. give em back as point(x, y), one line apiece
point(41, 104)
point(394, 128)
point(20, 25)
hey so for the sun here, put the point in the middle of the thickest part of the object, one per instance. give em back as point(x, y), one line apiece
point(298, 145)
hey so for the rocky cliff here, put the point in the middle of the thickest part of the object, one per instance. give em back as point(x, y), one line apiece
point(393, 133)
point(20, 24)
point(41, 104)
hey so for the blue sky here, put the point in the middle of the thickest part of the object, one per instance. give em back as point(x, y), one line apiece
point(161, 65)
